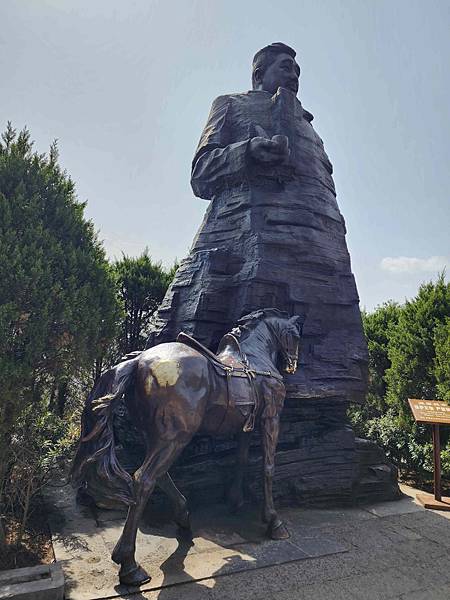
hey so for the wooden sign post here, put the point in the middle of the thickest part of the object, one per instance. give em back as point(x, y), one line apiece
point(435, 413)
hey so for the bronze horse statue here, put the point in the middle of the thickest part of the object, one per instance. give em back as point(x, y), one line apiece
point(175, 390)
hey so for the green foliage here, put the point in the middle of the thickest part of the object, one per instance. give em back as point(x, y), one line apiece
point(141, 285)
point(442, 359)
point(41, 440)
point(408, 444)
point(409, 357)
point(378, 327)
point(412, 345)
point(58, 308)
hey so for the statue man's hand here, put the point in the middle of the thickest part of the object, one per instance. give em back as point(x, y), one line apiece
point(270, 152)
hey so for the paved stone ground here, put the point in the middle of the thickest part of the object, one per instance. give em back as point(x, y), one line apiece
point(395, 550)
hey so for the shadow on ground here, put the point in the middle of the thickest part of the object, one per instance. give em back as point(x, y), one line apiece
point(222, 544)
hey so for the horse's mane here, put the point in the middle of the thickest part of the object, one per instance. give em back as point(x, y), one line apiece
point(248, 322)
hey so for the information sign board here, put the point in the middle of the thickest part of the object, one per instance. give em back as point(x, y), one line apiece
point(435, 413)
point(430, 411)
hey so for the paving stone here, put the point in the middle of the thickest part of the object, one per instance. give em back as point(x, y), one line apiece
point(430, 593)
point(308, 517)
point(395, 556)
point(397, 507)
point(322, 591)
point(380, 586)
point(319, 546)
point(223, 544)
point(436, 571)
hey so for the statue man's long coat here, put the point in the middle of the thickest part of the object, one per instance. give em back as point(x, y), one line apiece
point(271, 237)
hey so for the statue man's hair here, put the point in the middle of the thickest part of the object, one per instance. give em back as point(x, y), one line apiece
point(264, 57)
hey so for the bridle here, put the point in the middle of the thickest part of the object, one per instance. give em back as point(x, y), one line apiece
point(281, 345)
point(251, 374)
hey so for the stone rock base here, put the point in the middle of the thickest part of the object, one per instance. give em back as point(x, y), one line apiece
point(43, 582)
point(319, 461)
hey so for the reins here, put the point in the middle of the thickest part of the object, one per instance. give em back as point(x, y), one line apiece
point(246, 368)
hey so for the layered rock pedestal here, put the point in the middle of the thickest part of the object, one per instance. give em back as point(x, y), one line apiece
point(273, 236)
point(319, 462)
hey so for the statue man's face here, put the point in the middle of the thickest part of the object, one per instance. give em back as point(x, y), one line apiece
point(282, 72)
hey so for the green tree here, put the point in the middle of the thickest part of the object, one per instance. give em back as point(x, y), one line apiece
point(141, 285)
point(378, 327)
point(412, 351)
point(409, 356)
point(442, 359)
point(58, 308)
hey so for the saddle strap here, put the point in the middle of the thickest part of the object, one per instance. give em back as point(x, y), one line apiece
point(184, 338)
point(244, 371)
point(230, 371)
point(249, 424)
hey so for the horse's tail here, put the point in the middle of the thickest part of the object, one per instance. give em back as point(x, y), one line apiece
point(95, 465)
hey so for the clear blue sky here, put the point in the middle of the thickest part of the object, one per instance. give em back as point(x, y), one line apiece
point(126, 87)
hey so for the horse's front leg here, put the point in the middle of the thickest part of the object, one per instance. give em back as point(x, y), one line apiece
point(270, 426)
point(236, 493)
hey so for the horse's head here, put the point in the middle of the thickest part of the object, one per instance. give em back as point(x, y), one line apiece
point(281, 331)
point(290, 332)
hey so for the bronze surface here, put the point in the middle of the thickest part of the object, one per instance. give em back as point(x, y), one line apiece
point(174, 391)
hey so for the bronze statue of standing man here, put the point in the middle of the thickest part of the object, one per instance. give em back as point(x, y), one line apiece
point(272, 234)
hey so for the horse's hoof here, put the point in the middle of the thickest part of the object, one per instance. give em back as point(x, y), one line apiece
point(278, 531)
point(134, 576)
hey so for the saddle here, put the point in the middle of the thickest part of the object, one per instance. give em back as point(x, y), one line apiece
point(241, 389)
point(184, 338)
point(235, 363)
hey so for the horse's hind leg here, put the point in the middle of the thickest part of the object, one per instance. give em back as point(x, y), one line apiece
point(236, 493)
point(166, 484)
point(158, 460)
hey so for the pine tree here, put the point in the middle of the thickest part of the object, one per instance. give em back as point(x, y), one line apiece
point(412, 350)
point(141, 285)
point(58, 308)
point(409, 356)
point(378, 327)
point(442, 359)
